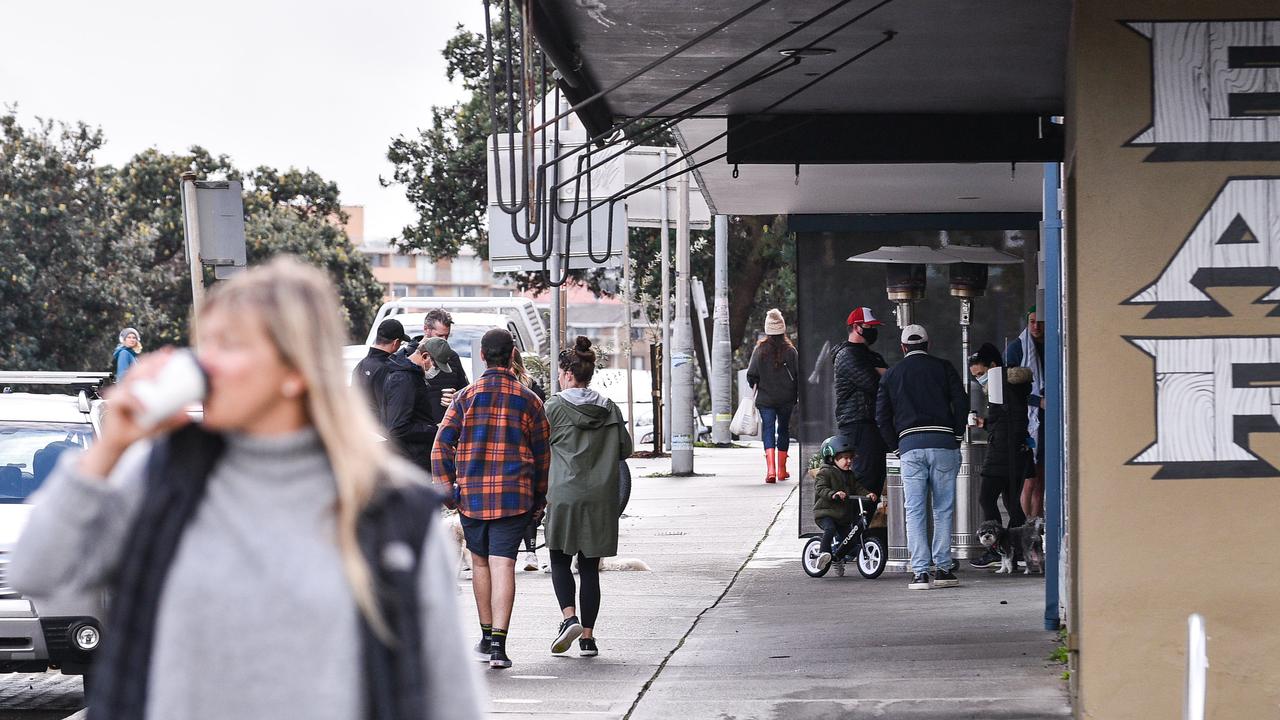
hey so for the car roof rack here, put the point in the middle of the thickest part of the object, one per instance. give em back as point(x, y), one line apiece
point(75, 380)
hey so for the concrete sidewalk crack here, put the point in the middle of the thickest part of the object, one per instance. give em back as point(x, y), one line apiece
point(644, 689)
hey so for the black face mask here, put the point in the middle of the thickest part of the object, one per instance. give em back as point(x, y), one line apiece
point(869, 334)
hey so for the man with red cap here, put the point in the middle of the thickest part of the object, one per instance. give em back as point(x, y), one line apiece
point(857, 374)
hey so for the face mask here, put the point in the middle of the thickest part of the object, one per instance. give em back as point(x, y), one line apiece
point(432, 372)
point(869, 334)
point(982, 380)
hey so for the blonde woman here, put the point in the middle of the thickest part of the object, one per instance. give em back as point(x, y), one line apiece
point(266, 563)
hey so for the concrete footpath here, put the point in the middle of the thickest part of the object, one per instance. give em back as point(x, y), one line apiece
point(727, 625)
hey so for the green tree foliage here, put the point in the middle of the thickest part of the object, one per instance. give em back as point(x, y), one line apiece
point(443, 172)
point(86, 250)
point(64, 266)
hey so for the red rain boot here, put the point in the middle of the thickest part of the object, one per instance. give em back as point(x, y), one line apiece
point(769, 477)
point(782, 473)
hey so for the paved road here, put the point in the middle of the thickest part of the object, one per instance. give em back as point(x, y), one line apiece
point(48, 696)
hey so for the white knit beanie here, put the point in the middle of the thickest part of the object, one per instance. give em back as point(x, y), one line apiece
point(774, 324)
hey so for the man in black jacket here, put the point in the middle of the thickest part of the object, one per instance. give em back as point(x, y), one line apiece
point(922, 409)
point(407, 405)
point(371, 372)
point(857, 377)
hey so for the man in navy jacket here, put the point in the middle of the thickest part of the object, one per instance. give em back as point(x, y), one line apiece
point(921, 410)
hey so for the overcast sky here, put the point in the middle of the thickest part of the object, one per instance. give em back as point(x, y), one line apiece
point(320, 84)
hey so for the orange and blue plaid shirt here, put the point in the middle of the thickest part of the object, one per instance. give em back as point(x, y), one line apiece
point(494, 443)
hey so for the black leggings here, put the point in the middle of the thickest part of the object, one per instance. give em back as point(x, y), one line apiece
point(993, 486)
point(562, 581)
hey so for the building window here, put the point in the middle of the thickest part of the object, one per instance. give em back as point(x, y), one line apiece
point(402, 261)
point(424, 290)
point(468, 269)
point(399, 290)
point(378, 259)
point(426, 269)
point(468, 291)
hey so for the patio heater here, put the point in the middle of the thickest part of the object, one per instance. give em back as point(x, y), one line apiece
point(905, 284)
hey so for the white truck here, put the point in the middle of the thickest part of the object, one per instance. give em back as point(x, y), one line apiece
point(37, 634)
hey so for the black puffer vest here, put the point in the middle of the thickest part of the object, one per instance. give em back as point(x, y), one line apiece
point(391, 535)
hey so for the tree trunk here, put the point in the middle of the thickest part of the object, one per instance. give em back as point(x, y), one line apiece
point(758, 257)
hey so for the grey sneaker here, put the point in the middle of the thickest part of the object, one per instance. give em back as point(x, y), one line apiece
point(824, 560)
point(945, 579)
point(839, 568)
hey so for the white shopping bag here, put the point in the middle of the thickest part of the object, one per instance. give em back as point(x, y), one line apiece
point(746, 421)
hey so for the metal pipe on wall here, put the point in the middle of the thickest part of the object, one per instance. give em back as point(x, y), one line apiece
point(682, 357)
point(721, 348)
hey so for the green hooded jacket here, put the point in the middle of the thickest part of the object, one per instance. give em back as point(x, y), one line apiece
point(828, 480)
point(588, 440)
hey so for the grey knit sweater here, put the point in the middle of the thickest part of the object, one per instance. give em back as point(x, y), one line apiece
point(256, 619)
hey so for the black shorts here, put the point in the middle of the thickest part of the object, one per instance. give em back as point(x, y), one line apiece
point(500, 537)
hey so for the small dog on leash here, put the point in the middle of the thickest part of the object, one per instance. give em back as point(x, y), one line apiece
point(1027, 538)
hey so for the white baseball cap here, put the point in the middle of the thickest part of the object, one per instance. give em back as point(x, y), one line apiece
point(914, 335)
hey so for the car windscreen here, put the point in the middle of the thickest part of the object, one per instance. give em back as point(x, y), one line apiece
point(28, 452)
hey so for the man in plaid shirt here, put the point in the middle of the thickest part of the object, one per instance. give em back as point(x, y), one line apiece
point(494, 444)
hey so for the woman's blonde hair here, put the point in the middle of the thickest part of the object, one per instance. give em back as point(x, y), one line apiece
point(300, 312)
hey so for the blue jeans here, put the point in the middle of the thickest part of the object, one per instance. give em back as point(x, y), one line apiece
point(930, 472)
point(775, 427)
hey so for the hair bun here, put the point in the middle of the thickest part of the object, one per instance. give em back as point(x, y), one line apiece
point(582, 344)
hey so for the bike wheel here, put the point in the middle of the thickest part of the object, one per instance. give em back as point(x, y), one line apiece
point(809, 559)
point(872, 558)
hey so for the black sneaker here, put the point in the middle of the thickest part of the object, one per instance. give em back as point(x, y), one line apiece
point(945, 579)
point(920, 581)
point(986, 560)
point(587, 647)
point(498, 659)
point(482, 650)
point(570, 629)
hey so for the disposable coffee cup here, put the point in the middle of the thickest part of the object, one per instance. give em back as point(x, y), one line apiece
point(181, 382)
point(973, 419)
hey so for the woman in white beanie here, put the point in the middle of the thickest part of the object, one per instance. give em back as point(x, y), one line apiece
point(772, 373)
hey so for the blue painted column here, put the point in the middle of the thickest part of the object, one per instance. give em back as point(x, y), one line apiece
point(1055, 387)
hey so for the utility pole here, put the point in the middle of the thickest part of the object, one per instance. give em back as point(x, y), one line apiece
point(682, 357)
point(665, 249)
point(721, 349)
point(189, 222)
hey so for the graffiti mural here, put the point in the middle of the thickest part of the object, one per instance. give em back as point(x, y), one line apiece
point(1211, 392)
point(1215, 90)
point(1235, 242)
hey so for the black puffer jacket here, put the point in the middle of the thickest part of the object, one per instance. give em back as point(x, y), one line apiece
point(1006, 426)
point(857, 383)
point(409, 409)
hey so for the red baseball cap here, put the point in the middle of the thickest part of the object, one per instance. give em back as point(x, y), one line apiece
point(862, 316)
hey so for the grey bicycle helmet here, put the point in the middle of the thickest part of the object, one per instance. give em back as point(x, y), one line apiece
point(835, 445)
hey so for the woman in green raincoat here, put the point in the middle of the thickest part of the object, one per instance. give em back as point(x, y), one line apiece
point(588, 441)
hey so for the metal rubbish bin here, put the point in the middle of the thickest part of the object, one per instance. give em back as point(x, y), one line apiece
point(964, 541)
point(968, 514)
point(899, 556)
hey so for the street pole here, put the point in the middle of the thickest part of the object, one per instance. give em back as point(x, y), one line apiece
point(682, 431)
point(192, 232)
point(722, 351)
point(626, 324)
point(557, 311)
point(665, 249)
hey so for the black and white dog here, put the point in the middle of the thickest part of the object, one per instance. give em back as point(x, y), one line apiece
point(1028, 538)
